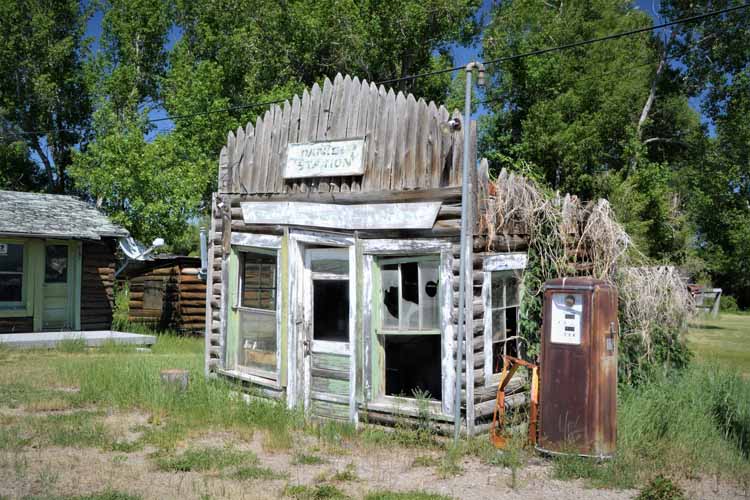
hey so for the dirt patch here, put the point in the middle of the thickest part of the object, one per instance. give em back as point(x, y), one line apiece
point(361, 469)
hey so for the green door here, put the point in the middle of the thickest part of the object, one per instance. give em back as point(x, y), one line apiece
point(57, 289)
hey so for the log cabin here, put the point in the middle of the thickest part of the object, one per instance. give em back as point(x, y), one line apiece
point(167, 293)
point(334, 250)
point(57, 264)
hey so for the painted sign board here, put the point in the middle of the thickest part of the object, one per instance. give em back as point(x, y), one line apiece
point(3, 249)
point(325, 159)
point(567, 316)
point(329, 215)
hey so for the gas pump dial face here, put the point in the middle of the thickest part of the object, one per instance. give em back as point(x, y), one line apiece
point(567, 314)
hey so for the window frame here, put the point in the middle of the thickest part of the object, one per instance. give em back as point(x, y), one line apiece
point(517, 262)
point(254, 374)
point(373, 387)
point(384, 261)
point(19, 308)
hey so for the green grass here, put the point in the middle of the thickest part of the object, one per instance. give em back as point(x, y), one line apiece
point(301, 458)
point(319, 492)
point(724, 341)
point(255, 472)
point(204, 459)
point(404, 495)
point(692, 424)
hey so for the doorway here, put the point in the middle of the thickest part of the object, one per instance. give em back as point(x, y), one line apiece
point(327, 339)
point(58, 286)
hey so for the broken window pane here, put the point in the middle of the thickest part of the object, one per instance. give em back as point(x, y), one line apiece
point(429, 296)
point(410, 296)
point(389, 278)
point(413, 366)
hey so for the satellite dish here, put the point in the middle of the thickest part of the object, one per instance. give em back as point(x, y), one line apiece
point(133, 249)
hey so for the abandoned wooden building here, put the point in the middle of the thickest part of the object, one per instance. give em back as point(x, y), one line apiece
point(167, 293)
point(57, 264)
point(334, 258)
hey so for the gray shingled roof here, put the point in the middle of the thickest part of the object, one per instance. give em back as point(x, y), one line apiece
point(53, 215)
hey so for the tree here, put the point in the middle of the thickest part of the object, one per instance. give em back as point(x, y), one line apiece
point(600, 120)
point(231, 54)
point(44, 98)
point(716, 67)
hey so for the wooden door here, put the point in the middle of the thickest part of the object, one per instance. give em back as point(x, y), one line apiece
point(58, 286)
point(328, 346)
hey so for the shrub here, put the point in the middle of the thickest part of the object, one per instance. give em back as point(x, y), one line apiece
point(661, 488)
point(728, 304)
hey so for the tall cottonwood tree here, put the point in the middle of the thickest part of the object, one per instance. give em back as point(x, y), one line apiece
point(228, 54)
point(607, 119)
point(44, 99)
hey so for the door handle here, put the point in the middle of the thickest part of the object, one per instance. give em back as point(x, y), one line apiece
point(306, 347)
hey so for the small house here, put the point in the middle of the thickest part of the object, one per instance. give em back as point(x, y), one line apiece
point(167, 292)
point(334, 261)
point(57, 264)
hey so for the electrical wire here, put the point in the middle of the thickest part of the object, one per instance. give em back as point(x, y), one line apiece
point(498, 60)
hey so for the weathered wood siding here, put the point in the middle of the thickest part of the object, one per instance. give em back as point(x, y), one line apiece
point(97, 282)
point(405, 146)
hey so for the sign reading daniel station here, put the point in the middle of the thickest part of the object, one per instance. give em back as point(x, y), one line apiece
point(325, 159)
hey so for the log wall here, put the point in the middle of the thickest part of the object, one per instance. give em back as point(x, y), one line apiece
point(97, 285)
point(183, 297)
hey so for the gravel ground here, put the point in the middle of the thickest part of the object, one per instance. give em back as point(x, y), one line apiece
point(77, 471)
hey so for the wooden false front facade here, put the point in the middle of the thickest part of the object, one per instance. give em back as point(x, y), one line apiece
point(338, 292)
point(167, 293)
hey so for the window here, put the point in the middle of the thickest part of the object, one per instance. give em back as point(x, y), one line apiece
point(11, 274)
point(410, 327)
point(56, 264)
point(409, 295)
point(257, 311)
point(504, 300)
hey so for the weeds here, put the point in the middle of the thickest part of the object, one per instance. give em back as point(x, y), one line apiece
point(203, 459)
point(425, 461)
point(661, 488)
point(253, 472)
point(404, 495)
point(319, 492)
point(307, 459)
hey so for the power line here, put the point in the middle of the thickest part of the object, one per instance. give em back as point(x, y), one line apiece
point(572, 45)
point(511, 57)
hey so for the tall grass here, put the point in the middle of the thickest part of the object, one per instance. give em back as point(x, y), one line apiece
point(692, 424)
point(131, 381)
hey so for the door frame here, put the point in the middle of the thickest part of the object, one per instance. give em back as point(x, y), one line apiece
point(300, 290)
point(74, 283)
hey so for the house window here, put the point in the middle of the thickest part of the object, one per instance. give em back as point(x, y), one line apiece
point(410, 326)
point(257, 311)
point(11, 274)
point(504, 301)
point(56, 264)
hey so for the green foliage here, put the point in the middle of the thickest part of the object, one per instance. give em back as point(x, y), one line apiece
point(203, 459)
point(307, 459)
point(44, 96)
point(319, 492)
point(661, 488)
point(728, 304)
point(667, 352)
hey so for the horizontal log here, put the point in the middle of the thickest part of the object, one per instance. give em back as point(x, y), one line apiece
point(186, 295)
